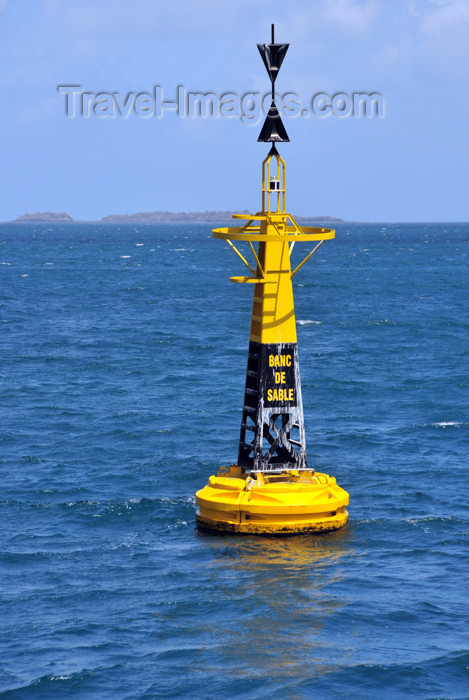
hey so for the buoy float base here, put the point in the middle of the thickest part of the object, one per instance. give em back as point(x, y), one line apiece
point(288, 503)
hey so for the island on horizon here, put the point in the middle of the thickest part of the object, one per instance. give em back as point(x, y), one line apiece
point(44, 217)
point(160, 217)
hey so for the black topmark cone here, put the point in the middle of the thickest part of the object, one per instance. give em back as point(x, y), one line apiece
point(273, 55)
point(273, 129)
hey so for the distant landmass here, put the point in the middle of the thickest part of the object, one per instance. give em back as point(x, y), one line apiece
point(161, 217)
point(189, 216)
point(46, 217)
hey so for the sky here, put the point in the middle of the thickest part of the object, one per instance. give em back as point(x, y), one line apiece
point(409, 164)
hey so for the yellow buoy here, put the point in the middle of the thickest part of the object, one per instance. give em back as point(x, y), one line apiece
point(272, 490)
point(294, 502)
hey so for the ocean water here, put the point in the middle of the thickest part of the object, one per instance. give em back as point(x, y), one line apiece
point(123, 352)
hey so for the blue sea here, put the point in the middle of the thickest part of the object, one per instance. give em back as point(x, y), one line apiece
point(123, 354)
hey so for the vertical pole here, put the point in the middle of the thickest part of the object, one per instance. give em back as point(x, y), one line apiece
point(268, 185)
point(273, 88)
point(263, 187)
point(278, 178)
point(283, 189)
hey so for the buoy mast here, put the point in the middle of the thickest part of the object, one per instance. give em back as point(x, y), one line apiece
point(271, 489)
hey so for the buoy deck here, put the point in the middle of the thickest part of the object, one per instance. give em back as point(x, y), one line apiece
point(290, 503)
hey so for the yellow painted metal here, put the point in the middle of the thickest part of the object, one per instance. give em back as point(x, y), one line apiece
point(267, 193)
point(273, 309)
point(276, 231)
point(293, 502)
point(282, 504)
point(249, 217)
point(288, 234)
point(251, 280)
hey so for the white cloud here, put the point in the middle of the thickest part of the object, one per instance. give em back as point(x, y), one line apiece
point(444, 28)
point(446, 16)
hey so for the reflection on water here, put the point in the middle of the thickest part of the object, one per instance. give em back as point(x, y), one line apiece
point(283, 592)
point(289, 553)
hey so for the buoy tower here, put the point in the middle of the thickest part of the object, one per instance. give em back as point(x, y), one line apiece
point(272, 490)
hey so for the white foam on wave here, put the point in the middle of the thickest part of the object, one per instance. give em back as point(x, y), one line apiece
point(5, 263)
point(24, 275)
point(309, 322)
point(446, 424)
point(139, 245)
point(125, 257)
point(177, 524)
